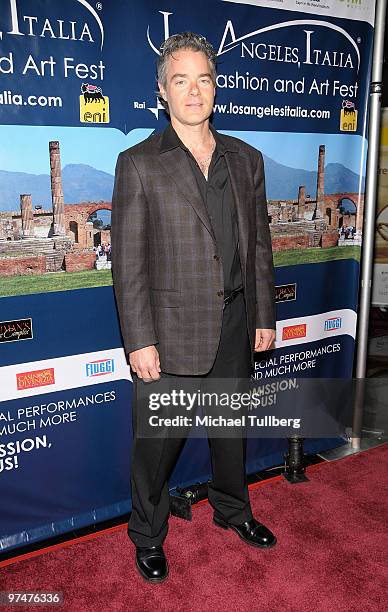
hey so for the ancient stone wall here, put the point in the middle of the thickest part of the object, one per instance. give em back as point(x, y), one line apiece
point(285, 243)
point(26, 265)
point(329, 239)
point(11, 224)
point(75, 262)
point(76, 225)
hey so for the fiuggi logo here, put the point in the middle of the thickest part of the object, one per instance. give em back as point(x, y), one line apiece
point(294, 331)
point(37, 378)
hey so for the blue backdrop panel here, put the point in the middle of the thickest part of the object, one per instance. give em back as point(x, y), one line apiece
point(81, 474)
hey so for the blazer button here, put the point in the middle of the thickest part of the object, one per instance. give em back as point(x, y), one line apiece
point(220, 293)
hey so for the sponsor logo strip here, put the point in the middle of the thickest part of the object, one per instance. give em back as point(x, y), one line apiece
point(315, 327)
point(71, 372)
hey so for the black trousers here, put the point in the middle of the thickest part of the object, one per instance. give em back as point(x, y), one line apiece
point(154, 458)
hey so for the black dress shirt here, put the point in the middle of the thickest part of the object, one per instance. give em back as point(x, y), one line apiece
point(217, 195)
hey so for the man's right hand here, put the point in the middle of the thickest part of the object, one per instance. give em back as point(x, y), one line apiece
point(145, 363)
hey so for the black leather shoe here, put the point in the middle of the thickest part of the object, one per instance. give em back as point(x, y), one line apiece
point(252, 532)
point(152, 563)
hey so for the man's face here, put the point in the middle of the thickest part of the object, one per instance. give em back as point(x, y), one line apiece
point(189, 88)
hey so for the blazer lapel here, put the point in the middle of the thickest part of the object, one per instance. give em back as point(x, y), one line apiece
point(177, 167)
point(237, 172)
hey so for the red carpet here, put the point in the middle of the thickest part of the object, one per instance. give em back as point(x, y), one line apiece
point(331, 554)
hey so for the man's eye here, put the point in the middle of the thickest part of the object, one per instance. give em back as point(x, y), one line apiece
point(179, 82)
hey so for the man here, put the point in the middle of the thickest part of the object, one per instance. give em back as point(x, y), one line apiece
point(193, 276)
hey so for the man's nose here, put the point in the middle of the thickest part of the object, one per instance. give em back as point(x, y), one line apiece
point(194, 89)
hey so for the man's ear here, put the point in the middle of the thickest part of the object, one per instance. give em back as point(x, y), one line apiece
point(162, 91)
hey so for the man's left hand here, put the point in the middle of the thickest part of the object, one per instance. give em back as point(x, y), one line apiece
point(264, 339)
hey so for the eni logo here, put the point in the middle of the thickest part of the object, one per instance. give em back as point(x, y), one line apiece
point(94, 106)
point(348, 120)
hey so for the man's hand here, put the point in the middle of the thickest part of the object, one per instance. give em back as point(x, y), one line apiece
point(145, 363)
point(264, 339)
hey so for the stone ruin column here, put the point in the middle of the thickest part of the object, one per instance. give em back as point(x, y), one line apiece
point(89, 239)
point(321, 183)
point(301, 201)
point(27, 215)
point(56, 189)
point(360, 215)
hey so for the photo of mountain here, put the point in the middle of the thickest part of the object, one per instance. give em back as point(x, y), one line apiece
point(83, 183)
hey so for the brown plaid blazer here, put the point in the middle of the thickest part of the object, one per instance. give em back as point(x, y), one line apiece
point(167, 279)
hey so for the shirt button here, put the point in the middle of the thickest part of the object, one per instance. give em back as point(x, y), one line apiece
point(220, 293)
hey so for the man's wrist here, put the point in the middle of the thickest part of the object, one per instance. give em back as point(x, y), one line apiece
point(136, 346)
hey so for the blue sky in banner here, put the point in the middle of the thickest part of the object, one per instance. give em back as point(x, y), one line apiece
point(27, 148)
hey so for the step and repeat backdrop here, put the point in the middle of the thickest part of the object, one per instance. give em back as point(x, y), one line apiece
point(77, 86)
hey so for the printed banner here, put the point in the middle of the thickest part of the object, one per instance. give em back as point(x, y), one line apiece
point(77, 86)
point(380, 278)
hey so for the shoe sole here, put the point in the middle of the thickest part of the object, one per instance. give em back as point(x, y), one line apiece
point(226, 526)
point(153, 580)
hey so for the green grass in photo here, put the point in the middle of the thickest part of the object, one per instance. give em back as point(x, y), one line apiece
point(54, 281)
point(295, 257)
point(64, 281)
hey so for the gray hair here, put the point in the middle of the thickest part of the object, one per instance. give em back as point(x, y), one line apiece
point(185, 40)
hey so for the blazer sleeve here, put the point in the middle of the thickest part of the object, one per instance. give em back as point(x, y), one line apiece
point(265, 283)
point(129, 231)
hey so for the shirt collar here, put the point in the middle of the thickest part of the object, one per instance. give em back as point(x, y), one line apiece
point(170, 140)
